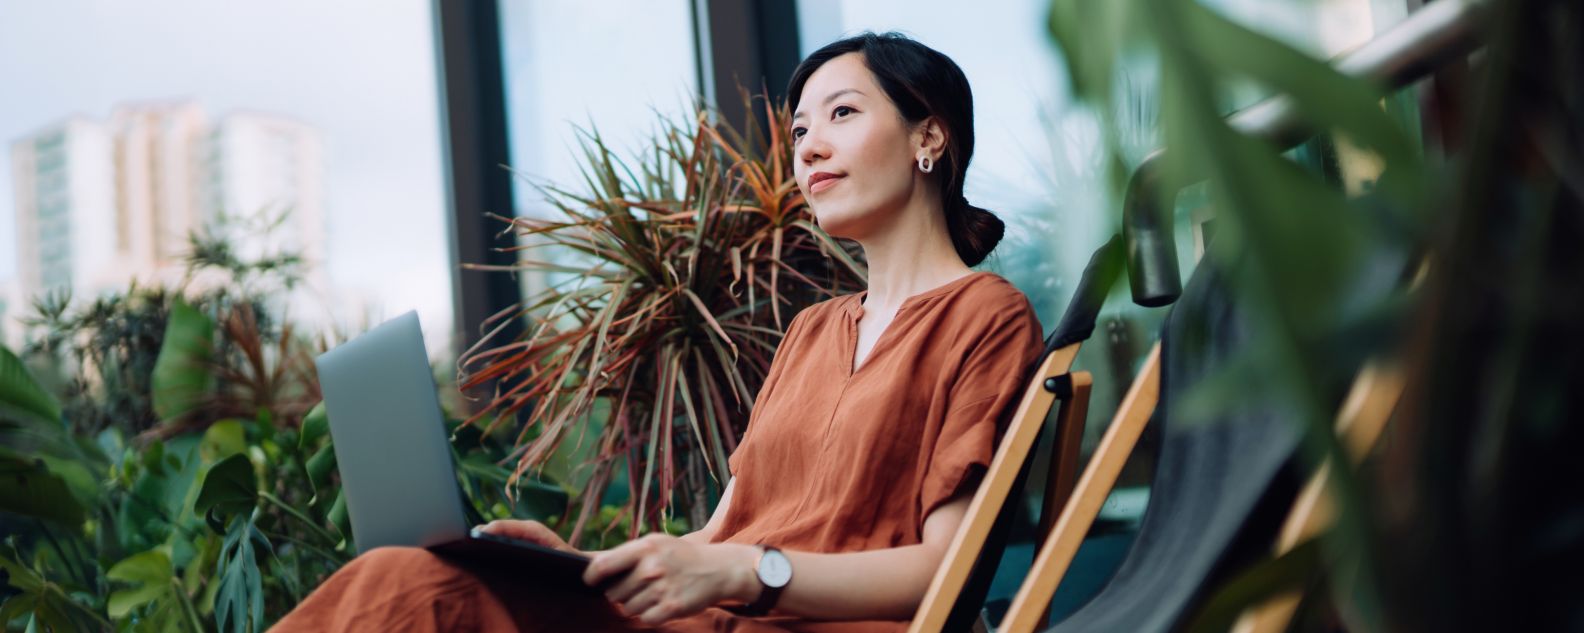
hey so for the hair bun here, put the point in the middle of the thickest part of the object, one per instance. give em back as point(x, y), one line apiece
point(975, 231)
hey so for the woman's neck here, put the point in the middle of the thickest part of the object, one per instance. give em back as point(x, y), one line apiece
point(913, 255)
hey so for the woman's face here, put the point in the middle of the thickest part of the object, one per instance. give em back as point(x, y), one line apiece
point(844, 126)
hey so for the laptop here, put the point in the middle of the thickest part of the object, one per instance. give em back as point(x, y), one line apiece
point(395, 459)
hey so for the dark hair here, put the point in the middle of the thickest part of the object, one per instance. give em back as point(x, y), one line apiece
point(922, 82)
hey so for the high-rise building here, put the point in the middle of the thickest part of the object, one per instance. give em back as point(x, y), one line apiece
point(10, 308)
point(158, 158)
point(101, 204)
point(266, 167)
point(65, 208)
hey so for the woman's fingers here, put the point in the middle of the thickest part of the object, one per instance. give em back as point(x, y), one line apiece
point(607, 566)
point(656, 614)
point(531, 531)
point(622, 588)
point(648, 596)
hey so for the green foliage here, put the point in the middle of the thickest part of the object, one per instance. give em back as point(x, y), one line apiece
point(28, 488)
point(46, 604)
point(154, 598)
point(229, 488)
point(216, 524)
point(182, 379)
point(1496, 221)
point(1296, 247)
point(18, 390)
point(239, 601)
point(182, 407)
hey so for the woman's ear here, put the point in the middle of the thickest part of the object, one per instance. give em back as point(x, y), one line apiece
point(929, 138)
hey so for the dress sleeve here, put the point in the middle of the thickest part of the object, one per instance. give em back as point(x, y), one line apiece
point(992, 378)
point(777, 367)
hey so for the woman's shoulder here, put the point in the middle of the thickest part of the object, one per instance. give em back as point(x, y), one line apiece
point(994, 290)
point(991, 299)
point(816, 316)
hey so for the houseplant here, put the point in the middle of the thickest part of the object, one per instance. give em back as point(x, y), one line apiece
point(679, 272)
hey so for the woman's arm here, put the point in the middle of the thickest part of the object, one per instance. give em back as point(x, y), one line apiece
point(703, 535)
point(672, 577)
point(878, 584)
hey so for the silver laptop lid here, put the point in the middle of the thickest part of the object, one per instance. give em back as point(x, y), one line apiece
point(390, 439)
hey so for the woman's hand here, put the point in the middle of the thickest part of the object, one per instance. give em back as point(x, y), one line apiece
point(659, 577)
point(531, 531)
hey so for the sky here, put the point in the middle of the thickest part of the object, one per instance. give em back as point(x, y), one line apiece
point(362, 71)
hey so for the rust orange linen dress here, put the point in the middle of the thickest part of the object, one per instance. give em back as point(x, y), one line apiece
point(833, 460)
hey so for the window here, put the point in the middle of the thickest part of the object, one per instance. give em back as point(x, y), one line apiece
point(568, 65)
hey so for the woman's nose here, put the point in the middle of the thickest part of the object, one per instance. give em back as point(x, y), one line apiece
point(811, 148)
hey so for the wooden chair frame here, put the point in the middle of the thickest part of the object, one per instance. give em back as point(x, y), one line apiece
point(1054, 378)
point(1031, 604)
point(1361, 420)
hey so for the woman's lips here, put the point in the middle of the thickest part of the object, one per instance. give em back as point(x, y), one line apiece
point(824, 184)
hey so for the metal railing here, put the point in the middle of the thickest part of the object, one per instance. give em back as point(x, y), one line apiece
point(1435, 34)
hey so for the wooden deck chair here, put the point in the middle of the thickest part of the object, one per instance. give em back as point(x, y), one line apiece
point(1220, 491)
point(1360, 423)
point(956, 593)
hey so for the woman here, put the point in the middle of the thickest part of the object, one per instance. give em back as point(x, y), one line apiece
point(878, 413)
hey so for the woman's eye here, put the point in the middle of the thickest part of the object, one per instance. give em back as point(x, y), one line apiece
point(840, 109)
point(797, 133)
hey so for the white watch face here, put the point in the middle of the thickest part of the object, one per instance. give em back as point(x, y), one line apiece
point(774, 569)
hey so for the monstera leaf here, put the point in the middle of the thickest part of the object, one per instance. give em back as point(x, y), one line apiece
point(230, 487)
point(239, 600)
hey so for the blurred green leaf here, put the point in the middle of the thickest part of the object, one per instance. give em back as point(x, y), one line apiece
point(20, 576)
point(48, 604)
point(239, 600)
point(338, 517)
point(18, 389)
point(28, 488)
point(230, 487)
point(84, 485)
point(182, 376)
point(1092, 35)
point(315, 425)
point(534, 499)
point(150, 574)
point(320, 466)
point(221, 440)
point(30, 418)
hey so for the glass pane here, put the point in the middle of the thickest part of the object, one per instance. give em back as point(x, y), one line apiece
point(130, 124)
point(569, 64)
point(610, 66)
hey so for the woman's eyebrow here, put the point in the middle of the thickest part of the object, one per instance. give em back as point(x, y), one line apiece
point(829, 98)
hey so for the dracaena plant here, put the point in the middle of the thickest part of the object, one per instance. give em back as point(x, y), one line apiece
point(673, 278)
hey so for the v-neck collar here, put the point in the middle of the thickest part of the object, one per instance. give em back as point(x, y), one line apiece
point(854, 311)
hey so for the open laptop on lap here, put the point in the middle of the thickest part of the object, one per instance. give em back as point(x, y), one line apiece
point(395, 460)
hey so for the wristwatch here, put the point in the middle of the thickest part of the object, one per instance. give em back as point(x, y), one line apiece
point(775, 573)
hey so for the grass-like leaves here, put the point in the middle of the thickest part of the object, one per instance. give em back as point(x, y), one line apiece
point(673, 279)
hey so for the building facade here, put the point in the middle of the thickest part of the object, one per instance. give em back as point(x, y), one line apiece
point(101, 204)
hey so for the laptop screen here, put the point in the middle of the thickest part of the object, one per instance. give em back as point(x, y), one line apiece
point(390, 438)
